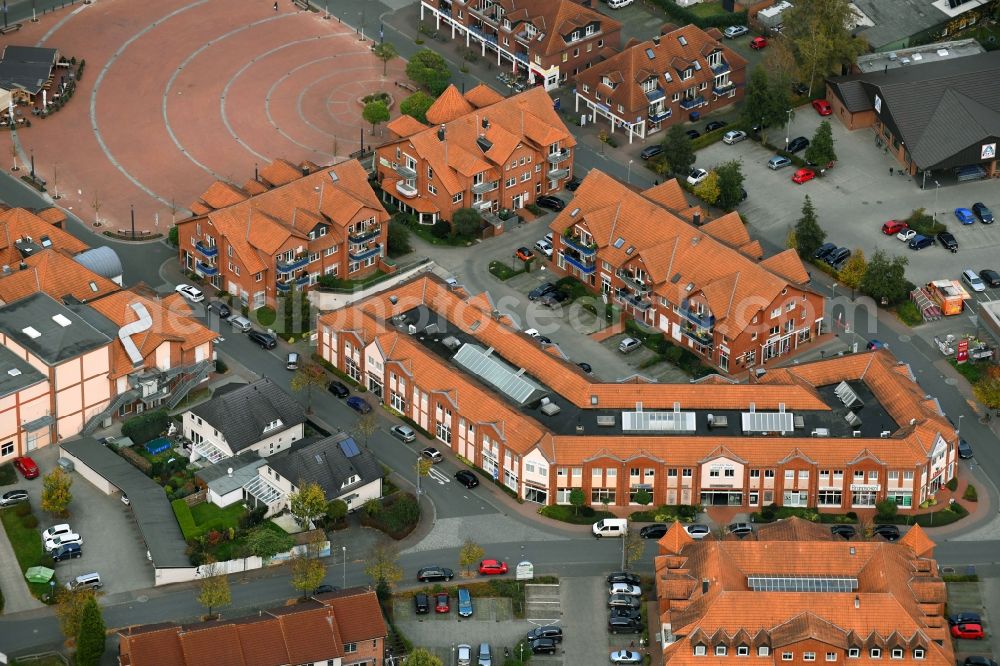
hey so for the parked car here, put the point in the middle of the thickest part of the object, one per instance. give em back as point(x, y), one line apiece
point(803, 176)
point(240, 323)
point(541, 290)
point(798, 144)
point(625, 625)
point(654, 531)
point(442, 603)
point(758, 43)
point(976, 660)
point(734, 31)
point(823, 250)
point(733, 136)
point(623, 601)
point(292, 361)
point(622, 611)
point(485, 655)
point(965, 216)
point(403, 432)
point(550, 202)
point(623, 577)
point(971, 278)
point(467, 478)
point(524, 254)
point(220, 307)
point(550, 631)
point(543, 646)
point(12, 497)
point(696, 176)
point(968, 631)
point(800, 88)
point(984, 214)
point(919, 242)
point(359, 404)
point(715, 125)
point(893, 227)
point(836, 258)
point(265, 340)
point(964, 449)
point(464, 655)
point(887, 532)
point(65, 464)
point(948, 241)
point(693, 133)
point(339, 389)
point(626, 657)
point(740, 529)
point(56, 530)
point(435, 573)
point(778, 162)
point(432, 454)
point(544, 247)
point(627, 345)
point(325, 589)
point(990, 277)
point(192, 293)
point(572, 184)
point(464, 602)
point(625, 588)
point(492, 567)
point(650, 152)
point(55, 542)
point(69, 551)
point(846, 531)
point(963, 617)
point(583, 365)
point(26, 466)
point(822, 107)
point(421, 603)
point(553, 298)
point(906, 235)
point(697, 530)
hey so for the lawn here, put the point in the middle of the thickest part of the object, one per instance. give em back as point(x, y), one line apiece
point(202, 518)
point(27, 544)
point(231, 550)
point(972, 372)
point(706, 9)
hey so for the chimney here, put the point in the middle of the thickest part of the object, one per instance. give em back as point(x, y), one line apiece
point(305, 170)
point(486, 122)
point(441, 132)
point(704, 586)
point(697, 219)
point(23, 266)
point(656, 40)
point(857, 601)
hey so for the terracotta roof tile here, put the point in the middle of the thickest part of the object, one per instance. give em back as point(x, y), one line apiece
point(448, 107)
point(916, 539)
point(788, 265)
point(482, 95)
point(280, 172)
point(17, 223)
point(52, 215)
point(221, 194)
point(359, 616)
point(58, 276)
point(404, 126)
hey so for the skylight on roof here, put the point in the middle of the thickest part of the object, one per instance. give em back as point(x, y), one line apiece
point(769, 583)
point(630, 250)
point(31, 332)
point(697, 66)
point(619, 242)
point(93, 286)
point(667, 76)
point(333, 175)
point(574, 212)
point(62, 320)
point(46, 241)
point(650, 54)
point(13, 372)
point(510, 381)
point(683, 40)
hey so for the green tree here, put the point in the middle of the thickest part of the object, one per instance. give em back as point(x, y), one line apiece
point(416, 105)
point(429, 69)
point(808, 234)
point(791, 242)
point(308, 570)
point(470, 553)
point(421, 657)
point(366, 426)
point(310, 376)
point(854, 269)
point(632, 548)
point(91, 635)
point(643, 497)
point(55, 492)
point(577, 499)
point(399, 239)
point(214, 589)
point(886, 509)
point(373, 506)
point(336, 511)
point(173, 236)
point(69, 609)
point(466, 223)
point(678, 151)
point(885, 278)
point(604, 138)
point(708, 189)
point(765, 102)
point(308, 503)
point(382, 563)
point(375, 112)
point(730, 184)
point(265, 543)
point(987, 389)
point(385, 52)
point(820, 150)
point(817, 33)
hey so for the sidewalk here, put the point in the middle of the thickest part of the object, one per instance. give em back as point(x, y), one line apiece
point(16, 595)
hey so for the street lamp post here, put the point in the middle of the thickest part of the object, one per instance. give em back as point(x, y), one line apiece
point(833, 290)
point(628, 174)
point(937, 188)
point(788, 127)
point(344, 581)
point(418, 477)
point(958, 430)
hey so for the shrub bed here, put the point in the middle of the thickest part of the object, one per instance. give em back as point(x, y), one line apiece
point(329, 367)
point(143, 464)
point(145, 427)
point(684, 513)
point(502, 271)
point(398, 516)
point(770, 514)
point(909, 313)
point(970, 494)
point(945, 516)
point(568, 514)
point(7, 474)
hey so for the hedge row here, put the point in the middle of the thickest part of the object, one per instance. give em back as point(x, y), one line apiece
point(684, 16)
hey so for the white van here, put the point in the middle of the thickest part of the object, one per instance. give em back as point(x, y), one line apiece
point(618, 4)
point(610, 527)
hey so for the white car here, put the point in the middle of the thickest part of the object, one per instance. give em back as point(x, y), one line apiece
point(733, 136)
point(734, 31)
point(55, 531)
point(906, 235)
point(193, 294)
point(548, 238)
point(625, 588)
point(626, 657)
point(544, 247)
point(464, 655)
point(697, 530)
point(532, 332)
point(62, 540)
point(696, 176)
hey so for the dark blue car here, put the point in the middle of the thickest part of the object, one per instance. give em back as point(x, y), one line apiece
point(919, 242)
point(359, 404)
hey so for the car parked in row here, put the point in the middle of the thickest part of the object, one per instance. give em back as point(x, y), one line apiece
point(990, 277)
point(887, 532)
point(626, 657)
point(629, 345)
point(403, 433)
point(68, 551)
point(906, 235)
point(758, 43)
point(467, 478)
point(435, 573)
point(984, 214)
point(191, 293)
point(554, 298)
point(697, 530)
point(654, 531)
point(550, 202)
point(524, 254)
point(541, 290)
point(919, 242)
point(339, 389)
point(421, 603)
point(625, 588)
point(265, 340)
point(948, 241)
point(432, 454)
point(623, 577)
point(971, 278)
point(12, 497)
point(740, 529)
point(964, 449)
point(464, 602)
point(968, 631)
point(963, 617)
point(778, 162)
point(798, 144)
point(56, 542)
point(442, 603)
point(551, 631)
point(824, 250)
point(543, 646)
point(692, 134)
point(464, 655)
point(838, 257)
point(893, 227)
point(845, 531)
point(965, 216)
point(715, 125)
point(696, 176)
point(623, 601)
point(625, 624)
point(544, 247)
point(803, 176)
point(359, 404)
point(734, 31)
point(649, 152)
point(733, 136)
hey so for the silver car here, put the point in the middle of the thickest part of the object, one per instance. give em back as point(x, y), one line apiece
point(778, 162)
point(464, 655)
point(404, 433)
point(485, 656)
point(734, 31)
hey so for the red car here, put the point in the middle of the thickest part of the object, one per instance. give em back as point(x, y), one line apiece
point(492, 567)
point(441, 603)
point(27, 467)
point(822, 107)
point(758, 42)
point(893, 227)
point(968, 630)
point(803, 175)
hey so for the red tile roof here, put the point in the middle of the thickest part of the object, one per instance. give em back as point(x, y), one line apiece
point(19, 223)
point(448, 107)
point(553, 19)
point(58, 276)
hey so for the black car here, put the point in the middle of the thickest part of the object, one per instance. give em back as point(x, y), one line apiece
point(800, 88)
point(554, 297)
point(543, 646)
point(263, 339)
point(654, 531)
point(325, 589)
point(467, 478)
point(623, 577)
point(693, 134)
point(623, 601)
point(573, 183)
point(221, 308)
point(823, 250)
point(67, 551)
point(887, 532)
point(838, 257)
point(619, 611)
point(964, 449)
point(976, 660)
point(548, 631)
point(919, 242)
point(984, 214)
point(625, 625)
point(541, 290)
point(550, 202)
point(948, 241)
point(650, 152)
point(846, 531)
point(964, 618)
point(339, 389)
point(797, 144)
point(435, 573)
point(421, 603)
point(715, 124)
point(990, 277)
point(12, 497)
point(583, 365)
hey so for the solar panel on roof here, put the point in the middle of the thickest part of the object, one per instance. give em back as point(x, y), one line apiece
point(776, 583)
point(494, 371)
point(349, 447)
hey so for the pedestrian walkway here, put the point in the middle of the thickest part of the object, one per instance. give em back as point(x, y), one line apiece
point(16, 595)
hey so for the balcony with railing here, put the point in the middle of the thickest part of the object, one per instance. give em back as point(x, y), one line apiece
point(721, 68)
point(407, 190)
point(206, 269)
point(405, 171)
point(692, 102)
point(573, 241)
point(556, 158)
point(632, 283)
point(488, 14)
point(583, 264)
point(700, 335)
point(289, 265)
point(658, 113)
point(363, 235)
point(284, 287)
point(724, 88)
point(364, 253)
point(706, 321)
point(556, 174)
point(206, 250)
point(624, 297)
point(482, 187)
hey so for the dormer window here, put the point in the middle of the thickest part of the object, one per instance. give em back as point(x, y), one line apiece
point(608, 82)
point(350, 481)
point(763, 651)
point(649, 85)
point(590, 29)
point(699, 650)
point(720, 650)
point(854, 653)
point(876, 653)
point(918, 653)
point(897, 653)
point(273, 425)
point(742, 651)
point(687, 74)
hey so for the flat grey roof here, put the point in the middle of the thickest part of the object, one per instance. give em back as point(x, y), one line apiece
point(896, 20)
point(149, 503)
point(918, 55)
point(48, 329)
point(16, 373)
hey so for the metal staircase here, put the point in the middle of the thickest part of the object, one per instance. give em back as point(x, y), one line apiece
point(197, 373)
point(95, 421)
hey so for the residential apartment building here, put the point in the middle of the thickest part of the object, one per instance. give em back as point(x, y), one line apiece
point(703, 285)
point(285, 229)
point(548, 41)
point(792, 593)
point(486, 152)
point(343, 628)
point(526, 415)
point(670, 79)
point(25, 406)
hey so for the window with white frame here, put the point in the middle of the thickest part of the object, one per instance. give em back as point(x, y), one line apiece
point(831, 656)
point(786, 656)
point(809, 656)
point(742, 651)
point(699, 650)
point(854, 653)
point(763, 651)
point(876, 653)
point(720, 650)
point(896, 653)
point(918, 653)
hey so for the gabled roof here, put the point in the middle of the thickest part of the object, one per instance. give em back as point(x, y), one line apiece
point(554, 20)
point(57, 275)
point(449, 106)
point(19, 224)
point(405, 125)
point(243, 414)
point(325, 461)
point(482, 95)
